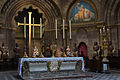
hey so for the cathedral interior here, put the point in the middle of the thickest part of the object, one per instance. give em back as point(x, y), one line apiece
point(60, 28)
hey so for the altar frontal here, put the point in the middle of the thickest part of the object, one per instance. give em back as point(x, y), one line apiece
point(27, 65)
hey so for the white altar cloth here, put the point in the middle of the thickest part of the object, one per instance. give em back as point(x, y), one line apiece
point(21, 60)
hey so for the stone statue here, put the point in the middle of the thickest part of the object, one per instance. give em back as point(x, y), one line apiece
point(35, 52)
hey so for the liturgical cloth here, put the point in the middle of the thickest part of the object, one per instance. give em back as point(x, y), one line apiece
point(21, 60)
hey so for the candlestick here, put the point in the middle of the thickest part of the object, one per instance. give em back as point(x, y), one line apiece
point(24, 27)
point(56, 27)
point(101, 37)
point(33, 27)
point(40, 27)
point(70, 28)
point(63, 29)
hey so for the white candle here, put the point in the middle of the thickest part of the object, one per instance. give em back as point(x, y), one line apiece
point(70, 28)
point(100, 37)
point(56, 27)
point(24, 27)
point(63, 29)
point(40, 27)
point(33, 27)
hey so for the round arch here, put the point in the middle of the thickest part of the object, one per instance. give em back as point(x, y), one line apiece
point(111, 12)
point(75, 2)
point(12, 7)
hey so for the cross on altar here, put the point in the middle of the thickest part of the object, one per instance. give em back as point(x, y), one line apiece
point(24, 24)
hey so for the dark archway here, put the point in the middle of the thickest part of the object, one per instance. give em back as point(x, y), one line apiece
point(13, 8)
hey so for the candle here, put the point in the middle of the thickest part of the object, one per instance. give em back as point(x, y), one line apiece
point(63, 29)
point(56, 27)
point(33, 27)
point(100, 37)
point(70, 28)
point(40, 27)
point(24, 27)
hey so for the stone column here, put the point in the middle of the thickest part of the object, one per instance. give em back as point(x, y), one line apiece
point(10, 41)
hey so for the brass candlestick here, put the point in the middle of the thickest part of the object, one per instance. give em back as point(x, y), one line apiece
point(71, 48)
point(25, 54)
point(42, 50)
point(57, 51)
point(64, 55)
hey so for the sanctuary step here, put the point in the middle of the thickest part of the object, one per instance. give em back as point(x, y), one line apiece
point(57, 75)
point(40, 65)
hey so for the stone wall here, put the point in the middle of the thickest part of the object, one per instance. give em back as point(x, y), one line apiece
point(104, 14)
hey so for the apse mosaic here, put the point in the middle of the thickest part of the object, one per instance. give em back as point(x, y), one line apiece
point(82, 12)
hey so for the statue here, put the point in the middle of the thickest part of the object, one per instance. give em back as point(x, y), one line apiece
point(68, 53)
point(100, 52)
point(75, 50)
point(53, 47)
point(4, 53)
point(35, 52)
point(16, 50)
point(95, 48)
point(110, 49)
point(48, 51)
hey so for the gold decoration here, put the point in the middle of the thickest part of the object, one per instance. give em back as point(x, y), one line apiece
point(53, 66)
point(58, 53)
point(41, 55)
point(25, 54)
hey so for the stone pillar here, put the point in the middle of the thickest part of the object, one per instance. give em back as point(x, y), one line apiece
point(119, 37)
point(10, 42)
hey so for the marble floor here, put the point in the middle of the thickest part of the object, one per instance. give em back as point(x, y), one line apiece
point(114, 75)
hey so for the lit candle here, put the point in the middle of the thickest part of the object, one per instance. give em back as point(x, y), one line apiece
point(24, 27)
point(56, 27)
point(63, 29)
point(33, 27)
point(40, 27)
point(70, 28)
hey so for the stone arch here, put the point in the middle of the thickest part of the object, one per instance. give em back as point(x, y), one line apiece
point(111, 11)
point(49, 8)
point(111, 17)
point(81, 37)
point(12, 7)
point(75, 1)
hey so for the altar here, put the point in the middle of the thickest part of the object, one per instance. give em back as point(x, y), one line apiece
point(27, 65)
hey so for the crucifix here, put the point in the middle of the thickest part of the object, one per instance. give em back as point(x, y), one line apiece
point(24, 24)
